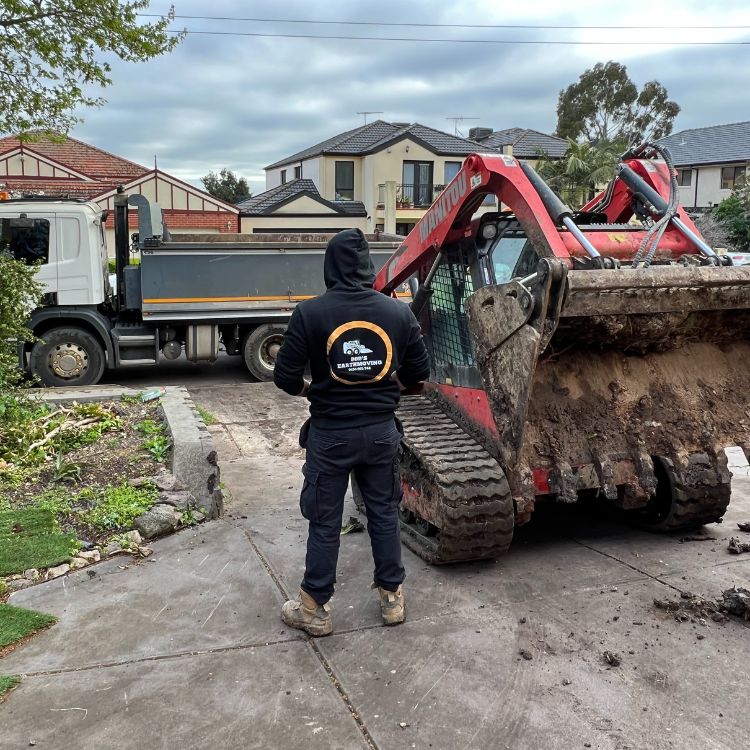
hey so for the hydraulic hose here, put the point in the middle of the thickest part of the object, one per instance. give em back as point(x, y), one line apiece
point(650, 242)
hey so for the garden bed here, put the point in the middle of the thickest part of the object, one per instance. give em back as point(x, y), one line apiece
point(74, 478)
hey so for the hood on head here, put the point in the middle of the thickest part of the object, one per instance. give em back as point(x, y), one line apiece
point(348, 262)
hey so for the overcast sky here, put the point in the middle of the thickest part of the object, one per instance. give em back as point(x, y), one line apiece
point(244, 102)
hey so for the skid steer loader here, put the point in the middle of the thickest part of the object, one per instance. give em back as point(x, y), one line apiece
point(603, 351)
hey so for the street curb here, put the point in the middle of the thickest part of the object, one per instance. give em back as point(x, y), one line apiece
point(194, 458)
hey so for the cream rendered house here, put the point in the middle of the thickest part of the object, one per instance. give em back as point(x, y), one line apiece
point(709, 162)
point(381, 176)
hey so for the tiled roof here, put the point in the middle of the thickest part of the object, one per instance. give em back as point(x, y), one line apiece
point(80, 156)
point(266, 203)
point(527, 143)
point(716, 144)
point(53, 187)
point(106, 171)
point(376, 135)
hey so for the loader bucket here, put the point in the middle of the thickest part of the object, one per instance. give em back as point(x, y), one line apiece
point(629, 381)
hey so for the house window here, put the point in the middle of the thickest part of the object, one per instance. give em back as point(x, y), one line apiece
point(450, 170)
point(283, 176)
point(684, 177)
point(344, 180)
point(730, 176)
point(417, 187)
point(25, 239)
point(297, 172)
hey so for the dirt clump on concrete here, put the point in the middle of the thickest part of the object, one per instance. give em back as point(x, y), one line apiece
point(734, 601)
point(737, 546)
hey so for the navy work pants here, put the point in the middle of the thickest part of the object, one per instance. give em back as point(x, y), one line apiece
point(371, 453)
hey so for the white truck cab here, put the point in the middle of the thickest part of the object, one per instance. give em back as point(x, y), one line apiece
point(68, 238)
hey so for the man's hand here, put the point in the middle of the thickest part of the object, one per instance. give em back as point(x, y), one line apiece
point(415, 390)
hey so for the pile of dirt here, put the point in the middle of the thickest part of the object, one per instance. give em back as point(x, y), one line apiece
point(734, 601)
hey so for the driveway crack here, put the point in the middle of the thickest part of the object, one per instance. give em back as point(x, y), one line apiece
point(324, 662)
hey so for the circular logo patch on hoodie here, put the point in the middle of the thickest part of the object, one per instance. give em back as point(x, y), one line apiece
point(359, 353)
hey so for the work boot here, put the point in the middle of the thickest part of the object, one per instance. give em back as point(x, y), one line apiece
point(392, 605)
point(306, 614)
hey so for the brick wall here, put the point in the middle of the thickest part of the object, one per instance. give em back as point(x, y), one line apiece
point(222, 221)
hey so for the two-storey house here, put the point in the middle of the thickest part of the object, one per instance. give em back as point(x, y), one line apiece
point(381, 175)
point(709, 161)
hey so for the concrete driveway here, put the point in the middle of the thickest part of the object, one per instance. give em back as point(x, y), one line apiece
point(188, 651)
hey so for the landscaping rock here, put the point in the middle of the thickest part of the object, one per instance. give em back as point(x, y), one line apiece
point(133, 537)
point(78, 562)
point(92, 555)
point(181, 499)
point(167, 482)
point(140, 481)
point(113, 548)
point(32, 574)
point(159, 520)
point(18, 584)
point(59, 570)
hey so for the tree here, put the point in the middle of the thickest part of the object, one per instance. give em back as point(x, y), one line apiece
point(20, 293)
point(605, 106)
point(733, 214)
point(576, 177)
point(50, 56)
point(227, 186)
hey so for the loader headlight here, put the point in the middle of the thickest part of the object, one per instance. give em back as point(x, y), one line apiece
point(489, 231)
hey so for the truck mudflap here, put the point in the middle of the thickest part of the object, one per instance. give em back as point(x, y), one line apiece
point(632, 381)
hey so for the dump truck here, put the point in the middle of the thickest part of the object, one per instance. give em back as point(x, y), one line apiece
point(187, 296)
point(601, 352)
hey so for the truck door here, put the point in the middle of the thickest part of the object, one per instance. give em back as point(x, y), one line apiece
point(75, 282)
point(30, 237)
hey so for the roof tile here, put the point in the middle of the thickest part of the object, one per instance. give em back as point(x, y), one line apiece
point(716, 144)
point(266, 203)
point(376, 135)
point(527, 143)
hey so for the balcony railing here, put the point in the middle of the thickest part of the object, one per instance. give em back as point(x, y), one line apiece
point(412, 196)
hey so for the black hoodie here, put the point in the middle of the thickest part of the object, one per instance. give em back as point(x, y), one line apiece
point(354, 339)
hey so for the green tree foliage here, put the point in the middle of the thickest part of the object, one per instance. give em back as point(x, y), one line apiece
point(605, 106)
point(733, 214)
point(584, 168)
point(19, 295)
point(51, 56)
point(227, 186)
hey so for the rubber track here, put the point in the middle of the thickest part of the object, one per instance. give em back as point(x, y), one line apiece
point(475, 504)
point(700, 493)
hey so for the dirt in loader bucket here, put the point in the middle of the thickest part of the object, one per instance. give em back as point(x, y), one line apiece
point(631, 382)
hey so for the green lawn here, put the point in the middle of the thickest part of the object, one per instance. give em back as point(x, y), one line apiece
point(16, 623)
point(6, 683)
point(29, 538)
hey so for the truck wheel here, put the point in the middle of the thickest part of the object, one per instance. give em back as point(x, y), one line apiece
point(260, 348)
point(67, 356)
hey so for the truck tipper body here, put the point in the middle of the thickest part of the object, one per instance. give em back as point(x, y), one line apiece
point(188, 296)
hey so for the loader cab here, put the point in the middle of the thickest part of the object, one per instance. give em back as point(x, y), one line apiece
point(498, 251)
point(504, 251)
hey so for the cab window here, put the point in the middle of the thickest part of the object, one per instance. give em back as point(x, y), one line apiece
point(25, 239)
point(513, 256)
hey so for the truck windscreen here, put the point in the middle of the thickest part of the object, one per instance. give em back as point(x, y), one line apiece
point(25, 239)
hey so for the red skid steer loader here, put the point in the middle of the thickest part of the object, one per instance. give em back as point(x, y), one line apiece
point(601, 351)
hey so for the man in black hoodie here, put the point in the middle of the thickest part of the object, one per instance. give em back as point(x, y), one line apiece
point(363, 348)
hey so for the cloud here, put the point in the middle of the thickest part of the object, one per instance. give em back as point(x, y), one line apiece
point(244, 102)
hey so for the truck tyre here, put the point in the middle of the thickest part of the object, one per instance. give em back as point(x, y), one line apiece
point(260, 348)
point(67, 356)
